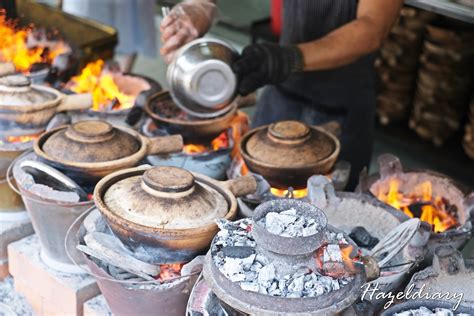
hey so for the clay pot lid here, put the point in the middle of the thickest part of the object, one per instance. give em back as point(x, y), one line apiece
point(289, 144)
point(89, 141)
point(16, 90)
point(166, 198)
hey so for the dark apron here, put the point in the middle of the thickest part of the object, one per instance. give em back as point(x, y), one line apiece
point(346, 94)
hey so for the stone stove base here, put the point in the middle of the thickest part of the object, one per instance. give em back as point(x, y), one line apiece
point(49, 292)
point(11, 231)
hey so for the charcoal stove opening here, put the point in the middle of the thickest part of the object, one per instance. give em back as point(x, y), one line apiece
point(112, 90)
point(421, 195)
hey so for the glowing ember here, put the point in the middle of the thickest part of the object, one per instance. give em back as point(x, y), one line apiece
point(421, 203)
point(170, 271)
point(19, 139)
point(15, 46)
point(335, 260)
point(105, 92)
point(220, 142)
point(296, 194)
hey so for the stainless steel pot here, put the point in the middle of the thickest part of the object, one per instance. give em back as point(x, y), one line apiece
point(201, 79)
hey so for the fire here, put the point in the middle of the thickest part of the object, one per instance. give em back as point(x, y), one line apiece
point(221, 141)
point(170, 271)
point(105, 92)
point(422, 204)
point(336, 261)
point(14, 46)
point(19, 139)
point(296, 194)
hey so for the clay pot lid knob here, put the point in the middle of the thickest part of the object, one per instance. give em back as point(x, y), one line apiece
point(293, 131)
point(15, 81)
point(168, 180)
point(90, 131)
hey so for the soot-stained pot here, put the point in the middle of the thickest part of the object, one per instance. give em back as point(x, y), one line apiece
point(164, 112)
point(287, 153)
point(32, 106)
point(167, 212)
point(90, 150)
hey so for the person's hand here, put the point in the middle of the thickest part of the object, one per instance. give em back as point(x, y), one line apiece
point(266, 63)
point(187, 21)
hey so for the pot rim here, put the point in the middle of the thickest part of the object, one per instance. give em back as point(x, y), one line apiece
point(332, 157)
point(104, 184)
point(200, 122)
point(37, 106)
point(95, 166)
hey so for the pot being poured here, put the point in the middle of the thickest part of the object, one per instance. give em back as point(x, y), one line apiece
point(167, 212)
point(90, 150)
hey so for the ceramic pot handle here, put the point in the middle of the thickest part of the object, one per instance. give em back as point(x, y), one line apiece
point(6, 69)
point(165, 145)
point(82, 101)
point(241, 186)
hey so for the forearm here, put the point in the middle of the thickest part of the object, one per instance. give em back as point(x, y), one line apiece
point(353, 40)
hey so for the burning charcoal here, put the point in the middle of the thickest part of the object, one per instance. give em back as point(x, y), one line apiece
point(296, 287)
point(332, 253)
point(238, 252)
point(417, 208)
point(291, 212)
point(273, 224)
point(266, 275)
point(424, 311)
point(288, 224)
point(46, 192)
point(363, 238)
point(94, 222)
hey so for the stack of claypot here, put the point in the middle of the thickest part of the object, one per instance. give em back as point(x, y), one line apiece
point(398, 63)
point(468, 142)
point(444, 83)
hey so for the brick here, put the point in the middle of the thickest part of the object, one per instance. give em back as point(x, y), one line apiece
point(35, 301)
point(60, 293)
point(3, 269)
point(13, 231)
point(97, 306)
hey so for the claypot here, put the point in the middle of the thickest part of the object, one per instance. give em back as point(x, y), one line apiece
point(90, 150)
point(168, 212)
point(287, 153)
point(164, 112)
point(32, 106)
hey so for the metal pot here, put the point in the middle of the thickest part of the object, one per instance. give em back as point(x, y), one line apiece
point(90, 150)
point(287, 153)
point(167, 210)
point(201, 79)
point(32, 106)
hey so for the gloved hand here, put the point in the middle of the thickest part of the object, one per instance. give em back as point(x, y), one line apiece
point(187, 21)
point(266, 63)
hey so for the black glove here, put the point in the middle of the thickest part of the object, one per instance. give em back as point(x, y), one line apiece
point(266, 63)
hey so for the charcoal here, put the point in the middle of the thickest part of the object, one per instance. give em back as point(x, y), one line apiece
point(416, 208)
point(363, 238)
point(254, 272)
point(332, 253)
point(424, 311)
point(289, 224)
point(238, 252)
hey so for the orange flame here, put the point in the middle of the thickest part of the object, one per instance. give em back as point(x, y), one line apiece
point(221, 141)
point(19, 139)
point(93, 79)
point(170, 271)
point(297, 194)
point(433, 208)
point(14, 47)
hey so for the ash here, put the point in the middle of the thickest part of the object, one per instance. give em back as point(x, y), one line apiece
point(235, 256)
point(289, 224)
point(424, 311)
point(10, 301)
